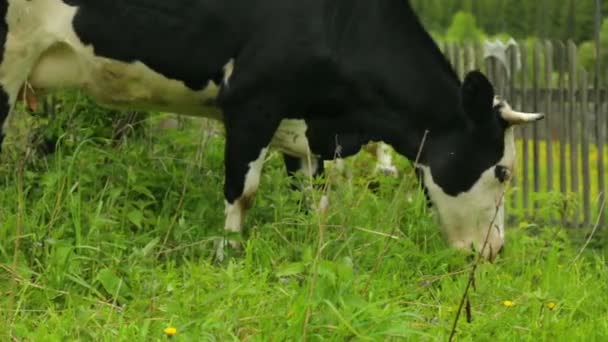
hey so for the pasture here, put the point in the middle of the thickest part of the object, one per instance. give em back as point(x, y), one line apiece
point(108, 239)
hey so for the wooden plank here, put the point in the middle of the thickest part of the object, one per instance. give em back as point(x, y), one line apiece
point(563, 184)
point(602, 141)
point(451, 55)
point(471, 57)
point(454, 56)
point(460, 53)
point(536, 126)
point(583, 109)
point(573, 136)
point(591, 93)
point(466, 58)
point(548, 109)
point(478, 55)
point(524, 133)
point(446, 51)
point(601, 120)
point(512, 58)
point(490, 67)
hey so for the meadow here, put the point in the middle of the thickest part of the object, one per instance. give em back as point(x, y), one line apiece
point(108, 234)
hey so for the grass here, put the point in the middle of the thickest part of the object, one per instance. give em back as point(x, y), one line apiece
point(114, 241)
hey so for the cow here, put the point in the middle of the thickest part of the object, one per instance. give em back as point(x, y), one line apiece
point(307, 77)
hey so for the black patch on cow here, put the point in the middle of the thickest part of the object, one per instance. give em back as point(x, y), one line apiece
point(189, 41)
point(457, 159)
point(502, 173)
point(477, 97)
point(4, 111)
point(4, 100)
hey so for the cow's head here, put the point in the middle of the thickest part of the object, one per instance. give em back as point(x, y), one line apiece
point(466, 171)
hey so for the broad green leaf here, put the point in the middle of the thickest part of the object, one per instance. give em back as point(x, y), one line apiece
point(113, 284)
point(136, 217)
point(290, 269)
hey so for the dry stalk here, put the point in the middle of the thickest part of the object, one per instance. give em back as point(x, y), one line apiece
point(471, 281)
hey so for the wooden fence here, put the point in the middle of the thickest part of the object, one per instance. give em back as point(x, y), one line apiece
point(561, 171)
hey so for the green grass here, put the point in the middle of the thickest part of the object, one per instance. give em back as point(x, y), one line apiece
point(107, 241)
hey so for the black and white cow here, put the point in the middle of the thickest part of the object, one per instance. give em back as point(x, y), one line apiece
point(305, 76)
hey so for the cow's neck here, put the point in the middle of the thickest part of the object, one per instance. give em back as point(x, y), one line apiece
point(419, 89)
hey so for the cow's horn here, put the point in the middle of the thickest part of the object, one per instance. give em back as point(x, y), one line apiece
point(516, 118)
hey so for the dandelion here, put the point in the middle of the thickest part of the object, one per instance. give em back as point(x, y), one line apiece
point(508, 303)
point(551, 305)
point(170, 331)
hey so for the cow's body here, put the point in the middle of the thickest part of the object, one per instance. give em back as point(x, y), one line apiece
point(335, 74)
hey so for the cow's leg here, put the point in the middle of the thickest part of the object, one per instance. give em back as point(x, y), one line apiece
point(8, 97)
point(247, 140)
point(309, 167)
point(5, 108)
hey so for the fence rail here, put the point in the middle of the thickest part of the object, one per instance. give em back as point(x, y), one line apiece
point(561, 171)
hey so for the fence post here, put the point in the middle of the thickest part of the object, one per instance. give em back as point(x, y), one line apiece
point(536, 127)
point(471, 57)
point(573, 124)
point(524, 133)
point(549, 113)
point(600, 125)
point(512, 58)
point(583, 109)
point(563, 178)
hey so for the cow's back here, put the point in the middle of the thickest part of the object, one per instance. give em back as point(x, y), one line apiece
point(144, 54)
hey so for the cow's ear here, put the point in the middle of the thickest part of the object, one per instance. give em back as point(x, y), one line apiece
point(477, 97)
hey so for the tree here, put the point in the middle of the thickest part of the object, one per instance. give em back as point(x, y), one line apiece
point(548, 19)
point(587, 53)
point(464, 28)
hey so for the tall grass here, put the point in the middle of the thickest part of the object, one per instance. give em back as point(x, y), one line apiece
point(106, 240)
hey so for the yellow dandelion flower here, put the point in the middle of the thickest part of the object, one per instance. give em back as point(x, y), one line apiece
point(170, 331)
point(551, 305)
point(508, 303)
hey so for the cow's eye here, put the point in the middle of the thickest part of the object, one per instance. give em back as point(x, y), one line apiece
point(502, 173)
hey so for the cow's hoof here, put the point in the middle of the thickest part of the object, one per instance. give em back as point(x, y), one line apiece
point(226, 249)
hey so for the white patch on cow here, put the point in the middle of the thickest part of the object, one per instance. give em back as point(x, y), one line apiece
point(234, 217)
point(228, 70)
point(309, 166)
point(235, 212)
point(384, 160)
point(466, 217)
point(290, 138)
point(43, 49)
point(252, 178)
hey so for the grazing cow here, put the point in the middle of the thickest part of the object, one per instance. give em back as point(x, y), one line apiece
point(309, 77)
